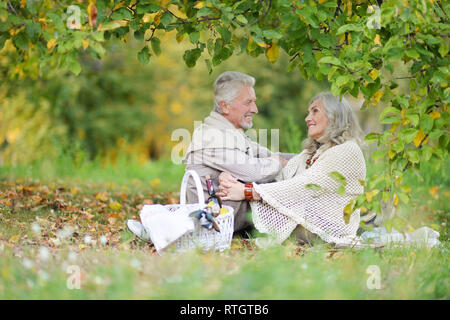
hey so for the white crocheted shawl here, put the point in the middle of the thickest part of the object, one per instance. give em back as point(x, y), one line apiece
point(292, 200)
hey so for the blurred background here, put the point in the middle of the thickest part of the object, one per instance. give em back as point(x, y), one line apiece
point(118, 109)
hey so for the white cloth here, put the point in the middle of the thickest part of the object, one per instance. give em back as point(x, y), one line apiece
point(163, 226)
point(424, 236)
point(289, 202)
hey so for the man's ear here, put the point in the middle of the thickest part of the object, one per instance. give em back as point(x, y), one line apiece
point(225, 107)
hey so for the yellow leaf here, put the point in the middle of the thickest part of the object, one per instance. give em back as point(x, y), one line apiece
point(199, 4)
point(23, 3)
point(85, 44)
point(435, 114)
point(14, 238)
point(419, 137)
point(157, 18)
point(395, 200)
point(155, 183)
point(81, 246)
point(376, 40)
point(272, 53)
point(391, 154)
point(376, 97)
point(371, 194)
point(374, 74)
point(179, 38)
point(176, 107)
point(101, 196)
point(51, 44)
point(263, 45)
point(115, 206)
point(402, 114)
point(434, 192)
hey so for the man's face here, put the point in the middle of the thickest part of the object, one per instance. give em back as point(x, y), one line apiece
point(241, 112)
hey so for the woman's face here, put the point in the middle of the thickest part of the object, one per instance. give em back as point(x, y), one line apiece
point(317, 120)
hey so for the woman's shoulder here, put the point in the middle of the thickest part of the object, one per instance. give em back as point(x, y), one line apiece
point(349, 147)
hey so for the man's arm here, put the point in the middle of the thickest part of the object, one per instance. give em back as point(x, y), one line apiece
point(262, 152)
point(239, 164)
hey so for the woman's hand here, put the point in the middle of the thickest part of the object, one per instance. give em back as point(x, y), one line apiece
point(230, 188)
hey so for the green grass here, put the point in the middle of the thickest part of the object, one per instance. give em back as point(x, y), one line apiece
point(126, 173)
point(83, 197)
point(278, 273)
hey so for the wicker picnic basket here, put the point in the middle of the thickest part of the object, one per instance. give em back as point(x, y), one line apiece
point(202, 238)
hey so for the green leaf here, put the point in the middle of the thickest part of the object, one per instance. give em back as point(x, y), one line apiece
point(378, 154)
point(372, 137)
point(412, 54)
point(156, 45)
point(166, 18)
point(144, 55)
point(413, 155)
point(194, 37)
point(74, 66)
point(272, 34)
point(443, 49)
point(240, 18)
point(148, 8)
point(139, 35)
point(121, 14)
point(342, 80)
point(203, 12)
point(348, 28)
point(387, 111)
point(191, 56)
point(313, 186)
point(426, 123)
point(341, 190)
point(224, 33)
point(408, 135)
point(332, 60)
point(338, 177)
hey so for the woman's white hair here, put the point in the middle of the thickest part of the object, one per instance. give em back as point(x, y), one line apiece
point(227, 86)
point(342, 126)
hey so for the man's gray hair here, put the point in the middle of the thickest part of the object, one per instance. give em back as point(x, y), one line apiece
point(342, 126)
point(227, 86)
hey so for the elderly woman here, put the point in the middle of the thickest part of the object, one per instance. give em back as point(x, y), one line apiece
point(304, 197)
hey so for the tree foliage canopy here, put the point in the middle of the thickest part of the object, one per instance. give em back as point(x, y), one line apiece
point(364, 48)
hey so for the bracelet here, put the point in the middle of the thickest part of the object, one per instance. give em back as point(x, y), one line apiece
point(248, 191)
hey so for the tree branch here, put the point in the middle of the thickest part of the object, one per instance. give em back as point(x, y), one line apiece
point(262, 17)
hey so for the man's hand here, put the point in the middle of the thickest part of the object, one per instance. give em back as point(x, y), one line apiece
point(282, 160)
point(226, 177)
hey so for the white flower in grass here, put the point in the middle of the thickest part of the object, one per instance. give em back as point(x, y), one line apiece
point(44, 253)
point(87, 239)
point(72, 257)
point(27, 263)
point(44, 276)
point(135, 263)
point(36, 228)
point(103, 240)
point(64, 233)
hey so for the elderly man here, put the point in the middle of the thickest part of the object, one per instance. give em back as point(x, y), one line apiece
point(220, 145)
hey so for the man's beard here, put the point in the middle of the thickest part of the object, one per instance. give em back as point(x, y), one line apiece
point(245, 125)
